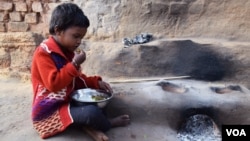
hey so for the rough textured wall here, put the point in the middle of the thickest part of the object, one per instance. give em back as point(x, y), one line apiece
point(112, 20)
point(115, 19)
point(16, 53)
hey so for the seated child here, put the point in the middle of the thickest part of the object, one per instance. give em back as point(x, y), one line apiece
point(56, 74)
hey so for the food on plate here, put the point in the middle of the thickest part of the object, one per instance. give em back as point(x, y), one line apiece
point(98, 97)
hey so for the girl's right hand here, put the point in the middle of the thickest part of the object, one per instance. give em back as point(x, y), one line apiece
point(79, 58)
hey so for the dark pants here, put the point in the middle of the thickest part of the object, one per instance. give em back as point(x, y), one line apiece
point(89, 116)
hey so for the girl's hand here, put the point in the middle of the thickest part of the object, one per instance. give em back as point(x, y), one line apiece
point(79, 58)
point(105, 86)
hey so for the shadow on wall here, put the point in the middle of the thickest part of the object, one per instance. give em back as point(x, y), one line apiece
point(199, 61)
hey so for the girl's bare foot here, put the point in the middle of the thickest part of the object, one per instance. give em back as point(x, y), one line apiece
point(95, 134)
point(122, 120)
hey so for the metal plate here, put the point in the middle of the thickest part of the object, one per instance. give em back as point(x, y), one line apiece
point(91, 95)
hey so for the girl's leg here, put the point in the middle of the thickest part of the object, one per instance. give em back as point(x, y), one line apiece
point(95, 122)
point(90, 116)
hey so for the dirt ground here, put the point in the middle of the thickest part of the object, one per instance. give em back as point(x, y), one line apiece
point(156, 114)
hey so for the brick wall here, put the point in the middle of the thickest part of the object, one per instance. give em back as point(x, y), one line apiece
point(26, 15)
point(23, 25)
point(112, 20)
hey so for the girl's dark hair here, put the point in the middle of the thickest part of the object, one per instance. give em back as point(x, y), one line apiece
point(67, 15)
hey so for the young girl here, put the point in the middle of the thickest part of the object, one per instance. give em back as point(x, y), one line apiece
point(55, 75)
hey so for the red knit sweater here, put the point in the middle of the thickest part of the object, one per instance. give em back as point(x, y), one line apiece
point(54, 78)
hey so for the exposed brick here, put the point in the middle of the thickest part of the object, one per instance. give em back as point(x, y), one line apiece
point(21, 6)
point(1, 17)
point(18, 26)
point(177, 7)
point(2, 27)
point(52, 6)
point(15, 17)
point(4, 16)
point(37, 7)
point(31, 18)
point(6, 6)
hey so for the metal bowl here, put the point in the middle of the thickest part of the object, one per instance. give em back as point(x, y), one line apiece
point(91, 96)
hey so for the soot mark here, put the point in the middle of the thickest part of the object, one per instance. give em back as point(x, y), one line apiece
point(199, 61)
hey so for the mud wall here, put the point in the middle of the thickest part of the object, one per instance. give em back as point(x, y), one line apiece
point(16, 54)
point(112, 20)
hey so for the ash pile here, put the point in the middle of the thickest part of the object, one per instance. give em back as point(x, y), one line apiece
point(199, 127)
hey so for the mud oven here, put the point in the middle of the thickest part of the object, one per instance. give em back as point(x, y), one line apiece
point(192, 110)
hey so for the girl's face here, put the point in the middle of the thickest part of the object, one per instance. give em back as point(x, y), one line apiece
point(70, 38)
